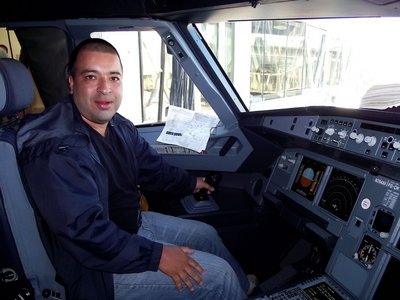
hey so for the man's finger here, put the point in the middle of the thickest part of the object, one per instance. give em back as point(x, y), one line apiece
point(188, 282)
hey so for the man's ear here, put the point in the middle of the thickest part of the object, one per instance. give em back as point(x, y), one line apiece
point(70, 84)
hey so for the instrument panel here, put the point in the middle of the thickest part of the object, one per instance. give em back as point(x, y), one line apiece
point(370, 139)
point(337, 201)
point(337, 180)
point(316, 288)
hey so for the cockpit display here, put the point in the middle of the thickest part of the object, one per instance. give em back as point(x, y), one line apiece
point(322, 291)
point(308, 178)
point(341, 193)
point(383, 222)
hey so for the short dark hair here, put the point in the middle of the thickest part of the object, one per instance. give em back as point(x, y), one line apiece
point(94, 44)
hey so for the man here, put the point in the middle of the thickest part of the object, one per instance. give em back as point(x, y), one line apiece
point(84, 165)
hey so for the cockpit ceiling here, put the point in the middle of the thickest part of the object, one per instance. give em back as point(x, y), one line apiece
point(195, 11)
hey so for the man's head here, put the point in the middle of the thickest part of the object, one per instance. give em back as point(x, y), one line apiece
point(95, 81)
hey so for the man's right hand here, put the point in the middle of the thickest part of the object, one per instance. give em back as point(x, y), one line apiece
point(176, 262)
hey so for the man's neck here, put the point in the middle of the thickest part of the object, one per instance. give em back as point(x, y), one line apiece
point(100, 128)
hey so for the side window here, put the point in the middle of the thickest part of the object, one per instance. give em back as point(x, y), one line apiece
point(153, 79)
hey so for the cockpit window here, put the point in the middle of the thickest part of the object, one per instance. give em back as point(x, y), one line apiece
point(273, 64)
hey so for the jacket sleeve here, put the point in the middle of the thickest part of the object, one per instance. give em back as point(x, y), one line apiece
point(157, 174)
point(71, 196)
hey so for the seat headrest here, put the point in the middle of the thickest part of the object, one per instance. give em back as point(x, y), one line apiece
point(16, 86)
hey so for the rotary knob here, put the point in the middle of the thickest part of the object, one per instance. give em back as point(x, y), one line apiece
point(359, 138)
point(370, 140)
point(342, 134)
point(353, 135)
point(315, 129)
point(330, 131)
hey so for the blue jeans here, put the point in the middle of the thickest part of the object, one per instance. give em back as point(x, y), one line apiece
point(223, 278)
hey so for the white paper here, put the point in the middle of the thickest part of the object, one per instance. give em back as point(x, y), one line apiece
point(187, 128)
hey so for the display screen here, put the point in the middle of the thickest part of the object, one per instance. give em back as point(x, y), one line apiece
point(383, 221)
point(341, 193)
point(308, 178)
point(322, 291)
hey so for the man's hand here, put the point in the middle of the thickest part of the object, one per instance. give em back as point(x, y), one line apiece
point(202, 184)
point(176, 262)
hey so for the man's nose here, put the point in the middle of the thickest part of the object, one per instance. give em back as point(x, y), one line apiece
point(104, 86)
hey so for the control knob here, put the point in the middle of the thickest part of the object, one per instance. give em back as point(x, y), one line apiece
point(370, 140)
point(353, 135)
point(315, 129)
point(342, 134)
point(330, 131)
point(359, 138)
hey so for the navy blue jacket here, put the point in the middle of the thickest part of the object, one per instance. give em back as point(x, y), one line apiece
point(69, 188)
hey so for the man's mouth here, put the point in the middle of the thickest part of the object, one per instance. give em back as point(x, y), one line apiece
point(103, 104)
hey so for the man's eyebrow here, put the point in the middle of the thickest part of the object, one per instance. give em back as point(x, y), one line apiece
point(83, 71)
point(98, 72)
point(116, 73)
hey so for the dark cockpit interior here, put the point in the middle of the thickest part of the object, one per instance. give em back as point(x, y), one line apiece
point(307, 195)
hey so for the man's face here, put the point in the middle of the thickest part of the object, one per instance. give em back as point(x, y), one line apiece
point(97, 86)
